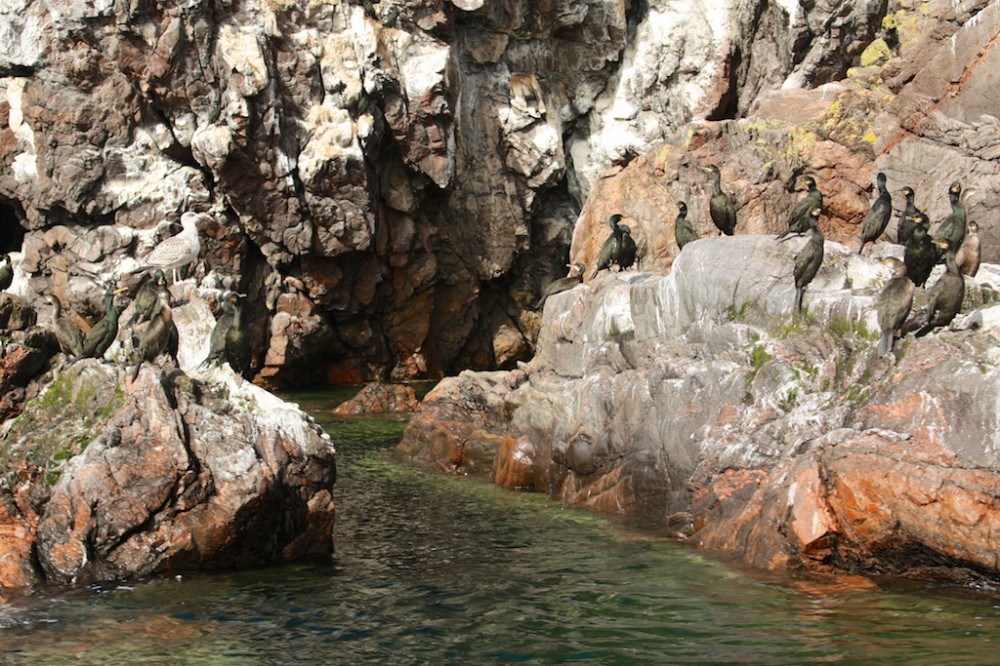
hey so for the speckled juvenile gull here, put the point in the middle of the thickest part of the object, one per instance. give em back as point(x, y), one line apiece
point(177, 251)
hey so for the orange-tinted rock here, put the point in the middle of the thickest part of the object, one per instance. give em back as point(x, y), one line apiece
point(695, 402)
point(380, 398)
point(105, 479)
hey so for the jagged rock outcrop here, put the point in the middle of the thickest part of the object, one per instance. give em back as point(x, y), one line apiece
point(379, 398)
point(697, 403)
point(105, 478)
point(369, 170)
point(106, 474)
point(25, 349)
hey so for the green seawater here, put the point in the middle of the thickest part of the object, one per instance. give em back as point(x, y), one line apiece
point(436, 569)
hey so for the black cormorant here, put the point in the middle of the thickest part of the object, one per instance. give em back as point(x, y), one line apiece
point(173, 335)
point(920, 255)
point(953, 227)
point(217, 343)
point(67, 332)
point(626, 248)
point(104, 332)
point(945, 297)
point(6, 273)
point(969, 255)
point(906, 220)
point(720, 205)
point(574, 278)
point(238, 342)
point(878, 215)
point(894, 304)
point(609, 251)
point(156, 337)
point(798, 220)
point(145, 299)
point(684, 233)
point(809, 258)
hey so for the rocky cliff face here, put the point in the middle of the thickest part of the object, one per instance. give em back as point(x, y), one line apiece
point(698, 404)
point(390, 182)
point(912, 109)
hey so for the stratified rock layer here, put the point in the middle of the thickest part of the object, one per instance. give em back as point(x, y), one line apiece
point(697, 402)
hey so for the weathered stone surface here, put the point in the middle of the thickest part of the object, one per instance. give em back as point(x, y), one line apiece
point(422, 160)
point(105, 478)
point(941, 125)
point(380, 398)
point(697, 402)
point(19, 365)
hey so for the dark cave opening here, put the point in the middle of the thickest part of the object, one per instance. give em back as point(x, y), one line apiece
point(11, 230)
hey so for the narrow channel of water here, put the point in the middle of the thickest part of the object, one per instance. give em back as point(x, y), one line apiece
point(434, 569)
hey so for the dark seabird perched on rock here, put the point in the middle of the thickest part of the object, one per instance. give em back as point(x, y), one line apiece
point(145, 299)
point(809, 258)
point(6, 273)
point(906, 220)
point(894, 304)
point(155, 338)
point(238, 342)
point(970, 254)
point(798, 220)
point(945, 297)
point(560, 285)
point(953, 227)
point(173, 335)
point(627, 248)
point(920, 255)
point(720, 205)
point(104, 332)
point(177, 251)
point(67, 333)
point(609, 251)
point(878, 215)
point(217, 342)
point(684, 233)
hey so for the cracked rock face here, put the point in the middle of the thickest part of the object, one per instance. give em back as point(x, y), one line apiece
point(107, 479)
point(368, 171)
point(697, 403)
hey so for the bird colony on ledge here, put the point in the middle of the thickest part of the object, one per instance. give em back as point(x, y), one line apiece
point(954, 244)
point(150, 334)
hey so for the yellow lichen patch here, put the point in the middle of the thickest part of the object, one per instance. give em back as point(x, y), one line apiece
point(876, 53)
point(661, 157)
point(803, 140)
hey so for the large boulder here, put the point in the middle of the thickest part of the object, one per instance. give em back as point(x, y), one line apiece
point(106, 478)
point(699, 403)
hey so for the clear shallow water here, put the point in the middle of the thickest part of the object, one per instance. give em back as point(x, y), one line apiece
point(431, 569)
